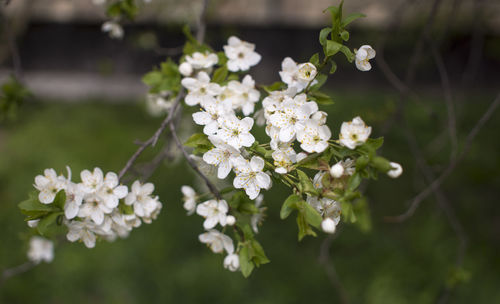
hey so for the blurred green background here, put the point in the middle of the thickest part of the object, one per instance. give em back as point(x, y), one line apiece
point(163, 262)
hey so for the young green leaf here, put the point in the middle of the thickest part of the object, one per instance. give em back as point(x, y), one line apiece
point(246, 264)
point(306, 184)
point(220, 74)
point(323, 35)
point(290, 204)
point(312, 216)
point(350, 18)
point(332, 48)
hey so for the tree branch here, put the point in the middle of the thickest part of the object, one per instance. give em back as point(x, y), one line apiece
point(10, 272)
point(324, 259)
point(451, 166)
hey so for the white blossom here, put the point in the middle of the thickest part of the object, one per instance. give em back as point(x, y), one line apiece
point(236, 132)
point(232, 262)
point(111, 192)
point(189, 199)
point(328, 225)
point(314, 137)
point(284, 158)
point(114, 29)
point(185, 69)
point(40, 250)
point(210, 114)
point(337, 170)
point(230, 220)
point(81, 230)
point(200, 89)
point(140, 198)
point(297, 75)
point(199, 60)
point(245, 95)
point(241, 55)
point(220, 156)
point(217, 241)
point(48, 185)
point(292, 117)
point(395, 171)
point(354, 133)
point(363, 55)
point(249, 176)
point(214, 212)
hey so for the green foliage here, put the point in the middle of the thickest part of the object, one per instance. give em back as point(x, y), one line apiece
point(123, 9)
point(290, 204)
point(167, 78)
point(12, 95)
point(220, 75)
point(200, 143)
point(50, 215)
point(305, 184)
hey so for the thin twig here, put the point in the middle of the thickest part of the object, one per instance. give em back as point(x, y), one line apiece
point(211, 187)
point(451, 166)
point(201, 22)
point(448, 96)
point(153, 139)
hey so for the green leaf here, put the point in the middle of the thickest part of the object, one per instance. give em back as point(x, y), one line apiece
point(332, 48)
point(304, 228)
point(323, 35)
point(306, 184)
point(189, 36)
point(312, 216)
point(197, 139)
point(320, 98)
point(246, 264)
point(381, 164)
point(259, 256)
point(350, 18)
point(290, 204)
point(362, 162)
point(51, 225)
point(362, 214)
point(278, 85)
point(321, 79)
point(333, 69)
point(347, 212)
point(220, 74)
point(371, 146)
point(310, 162)
point(315, 60)
point(354, 181)
point(13, 94)
point(32, 206)
point(344, 35)
point(222, 58)
point(347, 52)
point(123, 9)
point(60, 200)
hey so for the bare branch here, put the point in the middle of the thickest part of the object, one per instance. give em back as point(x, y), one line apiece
point(451, 166)
point(211, 187)
point(153, 139)
point(201, 22)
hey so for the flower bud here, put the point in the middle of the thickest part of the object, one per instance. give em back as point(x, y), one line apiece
point(185, 69)
point(328, 225)
point(230, 220)
point(33, 223)
point(232, 262)
point(395, 171)
point(337, 170)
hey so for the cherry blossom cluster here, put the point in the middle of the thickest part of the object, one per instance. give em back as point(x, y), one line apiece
point(97, 207)
point(227, 107)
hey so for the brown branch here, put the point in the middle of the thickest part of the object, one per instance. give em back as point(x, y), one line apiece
point(211, 187)
point(201, 22)
point(153, 139)
point(451, 166)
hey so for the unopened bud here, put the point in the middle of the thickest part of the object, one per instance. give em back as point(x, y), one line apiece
point(395, 171)
point(337, 170)
point(328, 225)
point(230, 220)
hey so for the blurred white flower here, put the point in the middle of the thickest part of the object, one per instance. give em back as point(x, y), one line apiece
point(249, 176)
point(40, 250)
point(114, 29)
point(396, 170)
point(241, 55)
point(232, 262)
point(217, 241)
point(189, 199)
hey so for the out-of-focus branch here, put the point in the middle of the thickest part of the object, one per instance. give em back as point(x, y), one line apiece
point(153, 139)
point(451, 166)
point(10, 272)
point(12, 46)
point(448, 96)
point(324, 259)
